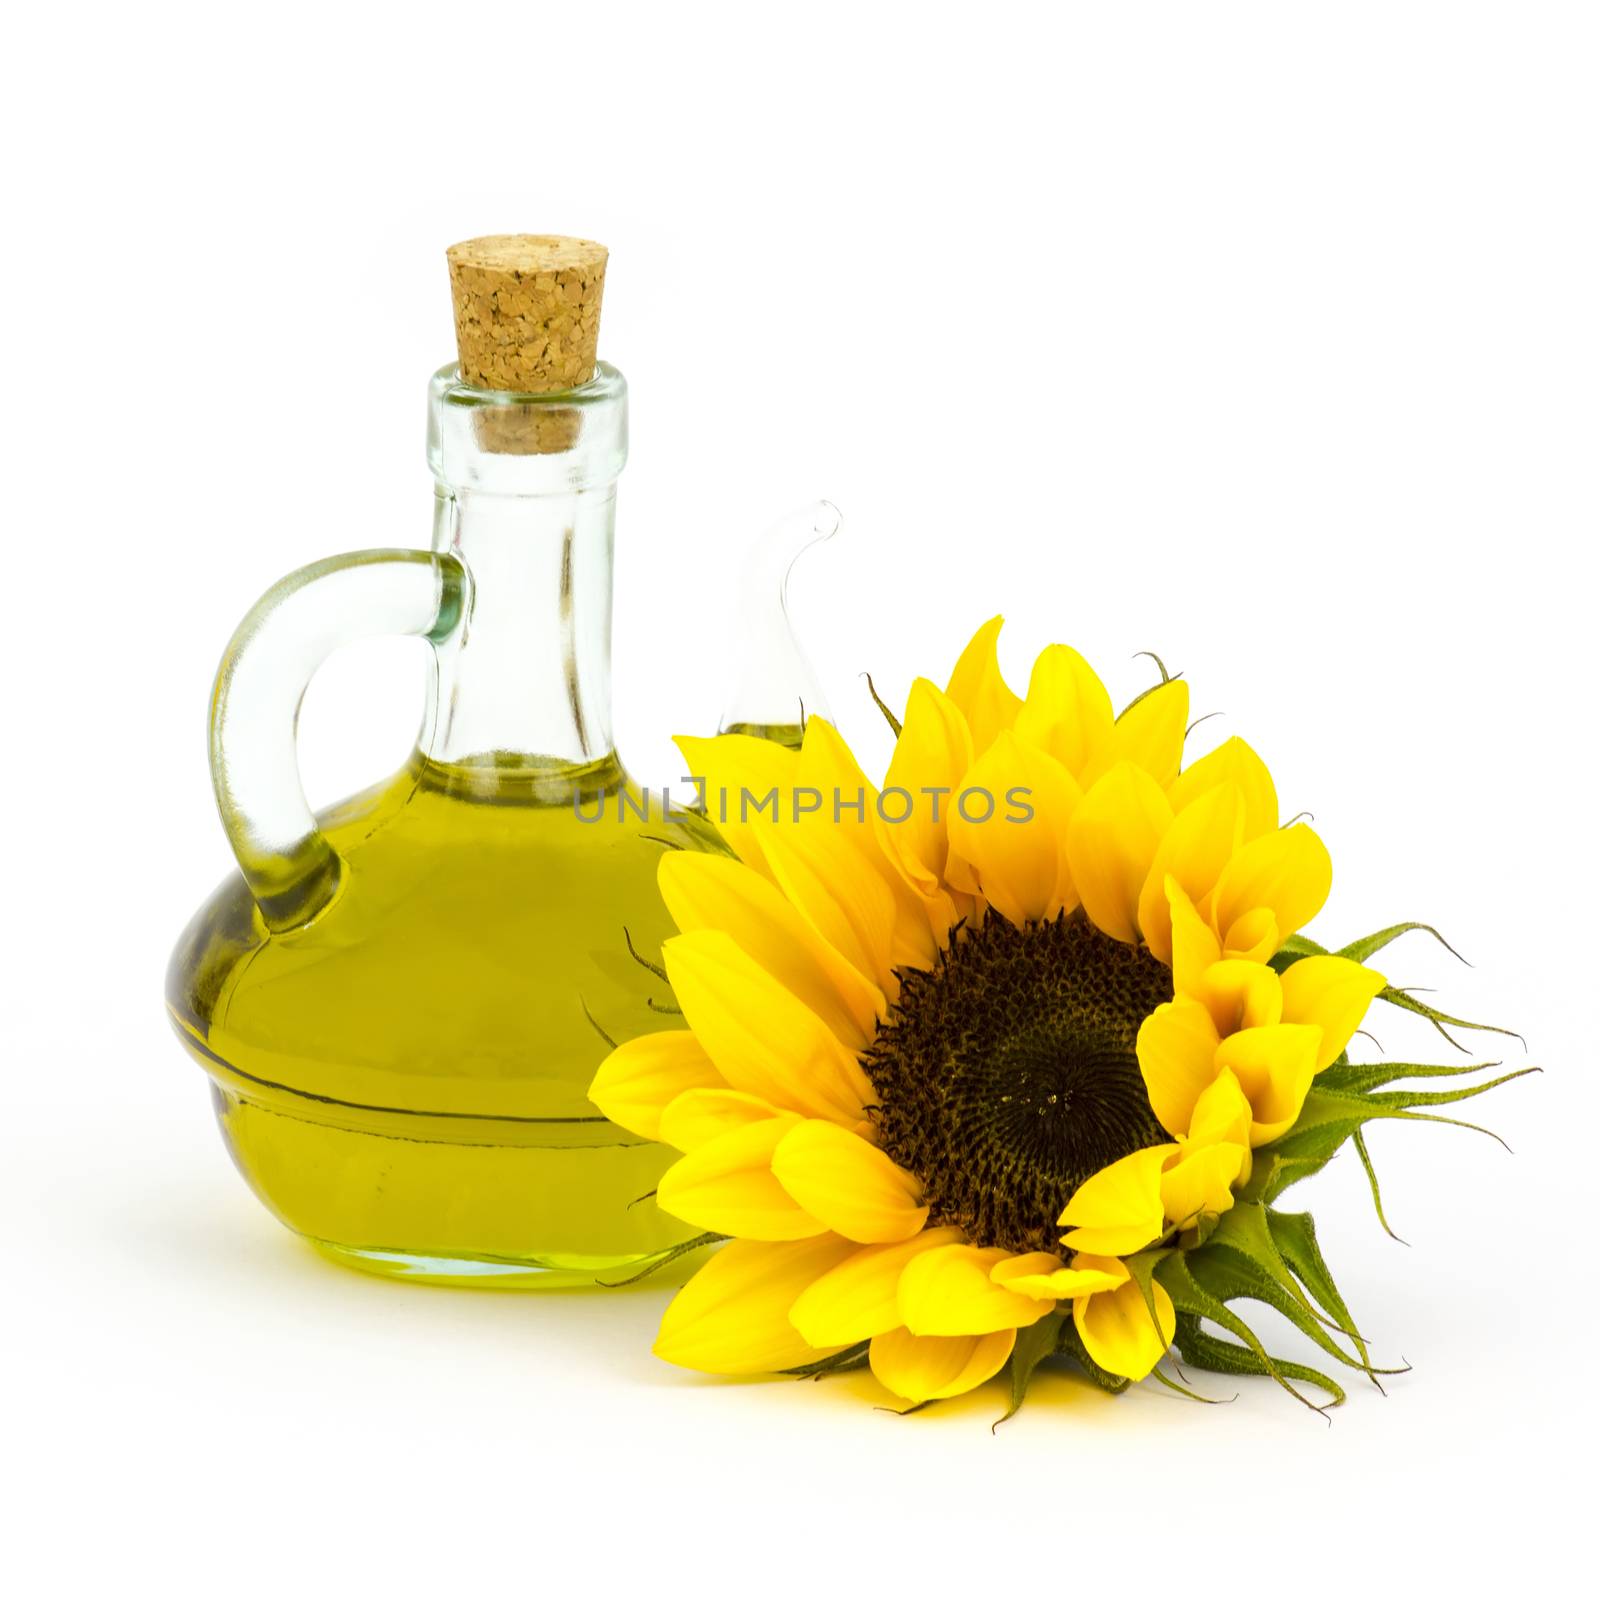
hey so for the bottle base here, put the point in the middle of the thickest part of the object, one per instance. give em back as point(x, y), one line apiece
point(489, 1272)
point(455, 1200)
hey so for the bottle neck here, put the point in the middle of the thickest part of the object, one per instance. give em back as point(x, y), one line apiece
point(526, 502)
point(526, 679)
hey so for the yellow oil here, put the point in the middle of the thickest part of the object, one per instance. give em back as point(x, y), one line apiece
point(403, 1080)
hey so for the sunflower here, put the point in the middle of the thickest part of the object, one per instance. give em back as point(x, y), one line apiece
point(976, 1065)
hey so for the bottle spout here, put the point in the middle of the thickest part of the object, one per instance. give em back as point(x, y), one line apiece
point(776, 690)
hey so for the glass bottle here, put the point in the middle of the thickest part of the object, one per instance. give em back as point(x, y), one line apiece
point(401, 1002)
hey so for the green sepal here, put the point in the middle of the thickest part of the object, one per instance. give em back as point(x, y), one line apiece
point(1295, 948)
point(1408, 1098)
point(1245, 1234)
point(1069, 1344)
point(1333, 1114)
point(666, 1257)
point(1442, 1020)
point(1360, 949)
point(848, 1360)
point(1142, 1269)
point(888, 715)
point(653, 967)
point(1183, 1390)
point(1193, 1299)
point(1294, 1234)
point(1227, 1275)
point(1033, 1346)
point(1210, 1354)
point(1358, 1139)
point(1144, 694)
point(1359, 1077)
point(593, 1023)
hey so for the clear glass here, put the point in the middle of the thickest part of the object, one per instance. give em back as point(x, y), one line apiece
point(775, 689)
point(401, 1002)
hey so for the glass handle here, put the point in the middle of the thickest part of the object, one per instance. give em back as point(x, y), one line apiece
point(776, 690)
point(291, 869)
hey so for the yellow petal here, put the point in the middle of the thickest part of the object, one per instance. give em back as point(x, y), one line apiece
point(1118, 1210)
point(1240, 994)
point(1194, 946)
point(1233, 763)
point(1253, 937)
point(728, 1186)
point(698, 1116)
point(850, 1185)
point(1287, 873)
point(639, 1079)
point(708, 891)
point(1016, 848)
point(948, 1292)
point(1192, 854)
point(932, 754)
point(1111, 843)
point(1274, 1067)
point(842, 893)
point(851, 815)
point(860, 1298)
point(978, 690)
point(732, 1316)
point(1333, 993)
point(1044, 1276)
point(1177, 1059)
point(922, 1368)
point(1222, 1114)
point(758, 1035)
point(1117, 1329)
point(1150, 732)
point(1068, 714)
point(1201, 1179)
point(735, 770)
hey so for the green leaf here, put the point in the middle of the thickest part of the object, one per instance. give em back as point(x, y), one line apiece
point(1360, 949)
point(1032, 1346)
point(1210, 1354)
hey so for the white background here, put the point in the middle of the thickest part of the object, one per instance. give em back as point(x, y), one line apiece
point(1262, 336)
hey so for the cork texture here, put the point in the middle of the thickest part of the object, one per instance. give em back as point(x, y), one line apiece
point(527, 308)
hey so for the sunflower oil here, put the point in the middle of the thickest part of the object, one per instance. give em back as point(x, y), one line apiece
point(403, 1081)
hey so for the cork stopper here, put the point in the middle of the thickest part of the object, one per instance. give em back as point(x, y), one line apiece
point(527, 310)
